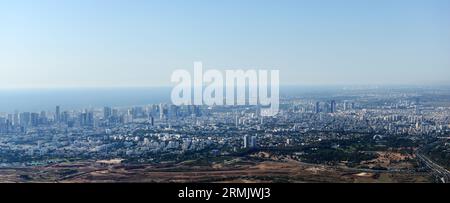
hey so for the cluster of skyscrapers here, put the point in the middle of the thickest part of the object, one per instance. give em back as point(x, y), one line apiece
point(20, 121)
point(331, 107)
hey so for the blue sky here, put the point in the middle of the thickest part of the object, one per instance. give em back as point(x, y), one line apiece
point(97, 43)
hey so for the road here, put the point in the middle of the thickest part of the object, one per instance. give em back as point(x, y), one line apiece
point(439, 171)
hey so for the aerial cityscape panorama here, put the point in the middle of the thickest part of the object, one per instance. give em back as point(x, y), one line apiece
point(378, 134)
point(224, 99)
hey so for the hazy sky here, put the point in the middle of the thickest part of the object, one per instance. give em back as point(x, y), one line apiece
point(62, 43)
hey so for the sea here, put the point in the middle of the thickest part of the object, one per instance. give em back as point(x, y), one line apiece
point(36, 100)
point(46, 99)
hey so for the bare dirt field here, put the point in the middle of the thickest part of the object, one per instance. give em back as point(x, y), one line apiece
point(256, 172)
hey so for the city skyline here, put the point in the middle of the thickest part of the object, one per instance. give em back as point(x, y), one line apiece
point(256, 97)
point(59, 44)
point(359, 135)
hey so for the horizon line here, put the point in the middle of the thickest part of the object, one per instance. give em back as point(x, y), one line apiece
point(169, 86)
